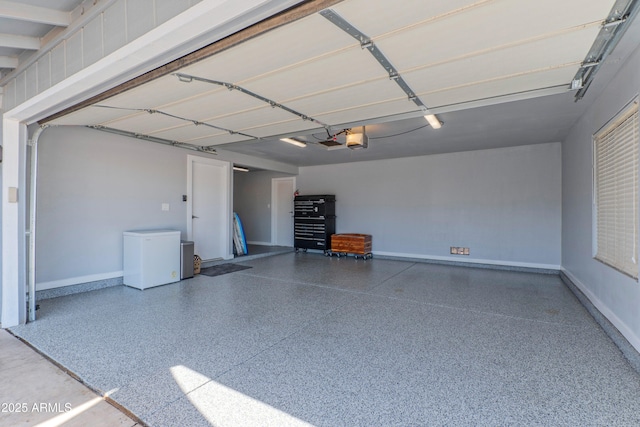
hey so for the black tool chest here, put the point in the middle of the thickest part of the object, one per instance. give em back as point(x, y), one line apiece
point(314, 221)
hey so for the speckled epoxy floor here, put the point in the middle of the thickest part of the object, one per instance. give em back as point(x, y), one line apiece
point(305, 339)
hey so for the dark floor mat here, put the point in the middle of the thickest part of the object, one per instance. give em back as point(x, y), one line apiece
point(217, 270)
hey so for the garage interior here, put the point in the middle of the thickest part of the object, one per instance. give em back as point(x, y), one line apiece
point(477, 119)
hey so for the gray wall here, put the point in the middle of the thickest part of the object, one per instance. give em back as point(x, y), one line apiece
point(252, 202)
point(614, 294)
point(92, 186)
point(504, 204)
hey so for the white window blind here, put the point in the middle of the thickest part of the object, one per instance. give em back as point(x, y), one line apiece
point(616, 192)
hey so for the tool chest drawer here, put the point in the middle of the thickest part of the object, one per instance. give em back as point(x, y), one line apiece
point(314, 206)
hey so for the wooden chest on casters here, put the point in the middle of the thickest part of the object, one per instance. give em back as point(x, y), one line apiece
point(356, 244)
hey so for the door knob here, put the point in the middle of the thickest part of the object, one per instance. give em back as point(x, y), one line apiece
point(193, 217)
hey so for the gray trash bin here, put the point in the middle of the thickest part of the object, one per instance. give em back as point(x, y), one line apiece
point(186, 259)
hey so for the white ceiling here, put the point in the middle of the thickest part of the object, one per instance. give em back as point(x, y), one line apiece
point(25, 26)
point(452, 54)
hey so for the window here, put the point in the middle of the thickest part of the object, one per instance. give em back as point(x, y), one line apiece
point(616, 191)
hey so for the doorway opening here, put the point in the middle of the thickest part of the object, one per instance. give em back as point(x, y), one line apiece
point(282, 190)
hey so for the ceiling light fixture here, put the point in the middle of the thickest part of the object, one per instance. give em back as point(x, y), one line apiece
point(294, 142)
point(433, 121)
point(240, 169)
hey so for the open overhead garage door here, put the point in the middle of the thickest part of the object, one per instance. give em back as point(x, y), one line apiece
point(330, 65)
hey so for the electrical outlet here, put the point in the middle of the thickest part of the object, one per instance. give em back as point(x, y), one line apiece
point(459, 250)
point(165, 207)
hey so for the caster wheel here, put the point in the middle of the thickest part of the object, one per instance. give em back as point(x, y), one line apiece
point(304, 250)
point(296, 250)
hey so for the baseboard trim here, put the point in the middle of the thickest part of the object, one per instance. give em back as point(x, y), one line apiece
point(626, 340)
point(42, 286)
point(550, 268)
point(77, 289)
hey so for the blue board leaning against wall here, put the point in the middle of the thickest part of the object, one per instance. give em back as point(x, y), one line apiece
point(239, 238)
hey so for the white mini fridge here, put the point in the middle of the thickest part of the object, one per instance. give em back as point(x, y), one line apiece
point(151, 258)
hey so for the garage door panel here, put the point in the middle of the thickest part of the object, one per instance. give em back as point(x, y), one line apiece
point(472, 23)
point(542, 54)
point(350, 97)
point(216, 103)
point(145, 123)
point(345, 68)
point(217, 139)
point(365, 14)
point(405, 56)
point(529, 82)
point(284, 128)
point(187, 132)
point(291, 44)
point(248, 119)
point(366, 112)
point(152, 95)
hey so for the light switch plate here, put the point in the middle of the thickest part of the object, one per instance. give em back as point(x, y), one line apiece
point(13, 195)
point(165, 207)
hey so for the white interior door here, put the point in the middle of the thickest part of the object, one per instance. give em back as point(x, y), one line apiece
point(282, 211)
point(208, 208)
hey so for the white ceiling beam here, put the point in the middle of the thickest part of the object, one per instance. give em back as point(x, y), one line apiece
point(19, 42)
point(8, 62)
point(42, 15)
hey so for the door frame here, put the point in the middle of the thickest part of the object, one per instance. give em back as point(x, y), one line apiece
point(227, 197)
point(274, 206)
